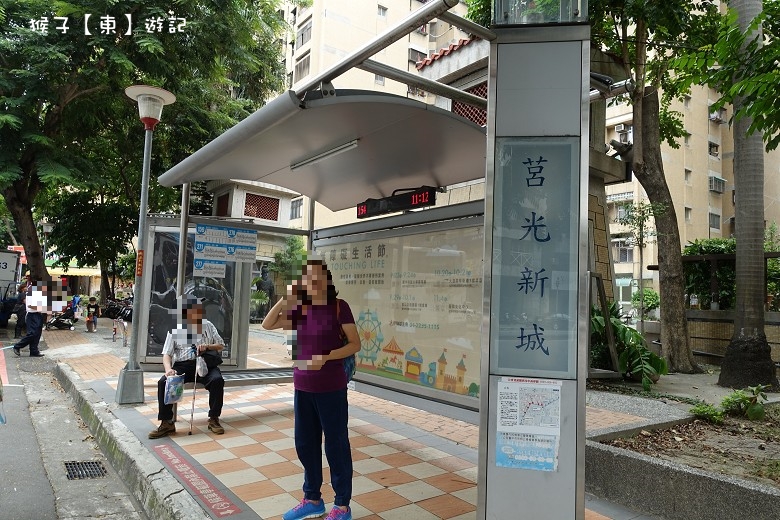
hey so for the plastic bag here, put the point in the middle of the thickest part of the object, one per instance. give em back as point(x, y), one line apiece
point(201, 367)
point(174, 388)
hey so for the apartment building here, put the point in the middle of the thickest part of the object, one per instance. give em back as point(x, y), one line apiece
point(329, 30)
point(700, 176)
point(699, 173)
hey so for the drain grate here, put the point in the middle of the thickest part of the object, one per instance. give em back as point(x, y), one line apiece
point(85, 469)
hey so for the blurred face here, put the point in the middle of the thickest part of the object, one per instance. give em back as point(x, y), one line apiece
point(195, 314)
point(315, 280)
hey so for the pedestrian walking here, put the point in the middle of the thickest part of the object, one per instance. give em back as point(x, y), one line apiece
point(20, 310)
point(36, 304)
point(196, 336)
point(321, 321)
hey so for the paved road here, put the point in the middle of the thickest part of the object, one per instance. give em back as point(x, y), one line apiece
point(25, 491)
point(43, 432)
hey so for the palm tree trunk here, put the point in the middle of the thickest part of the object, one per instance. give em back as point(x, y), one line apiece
point(748, 358)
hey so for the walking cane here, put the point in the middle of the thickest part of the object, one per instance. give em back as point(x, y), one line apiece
point(194, 390)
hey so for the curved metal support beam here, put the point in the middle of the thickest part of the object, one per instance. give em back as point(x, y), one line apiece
point(419, 17)
point(429, 85)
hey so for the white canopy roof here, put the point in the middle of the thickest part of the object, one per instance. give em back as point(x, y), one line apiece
point(343, 149)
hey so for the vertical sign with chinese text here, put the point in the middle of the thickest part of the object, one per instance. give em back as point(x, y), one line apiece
point(535, 246)
point(532, 414)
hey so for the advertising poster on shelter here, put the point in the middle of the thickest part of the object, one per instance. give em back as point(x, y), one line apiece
point(216, 292)
point(417, 304)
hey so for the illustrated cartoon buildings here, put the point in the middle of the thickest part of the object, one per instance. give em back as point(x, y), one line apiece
point(392, 358)
point(371, 338)
point(411, 365)
point(414, 363)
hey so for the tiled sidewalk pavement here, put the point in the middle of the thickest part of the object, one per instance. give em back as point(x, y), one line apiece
point(409, 464)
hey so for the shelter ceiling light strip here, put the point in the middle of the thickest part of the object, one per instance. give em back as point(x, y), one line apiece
point(324, 155)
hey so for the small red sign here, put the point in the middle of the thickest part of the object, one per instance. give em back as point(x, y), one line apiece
point(200, 486)
point(139, 263)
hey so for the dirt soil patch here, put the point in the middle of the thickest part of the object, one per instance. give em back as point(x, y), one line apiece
point(738, 447)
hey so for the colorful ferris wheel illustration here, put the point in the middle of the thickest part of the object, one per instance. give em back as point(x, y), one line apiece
point(371, 338)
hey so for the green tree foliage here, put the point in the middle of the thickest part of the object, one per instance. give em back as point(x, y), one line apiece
point(750, 73)
point(635, 360)
point(637, 218)
point(649, 300)
point(64, 118)
point(288, 264)
point(480, 11)
point(7, 227)
point(697, 274)
point(108, 227)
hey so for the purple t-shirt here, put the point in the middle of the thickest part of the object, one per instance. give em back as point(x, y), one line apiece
point(317, 332)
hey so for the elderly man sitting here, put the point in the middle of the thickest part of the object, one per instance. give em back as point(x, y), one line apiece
point(192, 338)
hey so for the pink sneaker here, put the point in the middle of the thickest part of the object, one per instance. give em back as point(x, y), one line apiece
point(337, 514)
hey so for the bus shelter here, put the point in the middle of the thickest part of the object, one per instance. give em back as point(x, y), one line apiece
point(341, 147)
point(375, 144)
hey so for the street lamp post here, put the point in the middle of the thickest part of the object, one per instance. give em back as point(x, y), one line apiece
point(151, 101)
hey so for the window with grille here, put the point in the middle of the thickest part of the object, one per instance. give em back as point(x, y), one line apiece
point(624, 252)
point(717, 184)
point(622, 212)
point(260, 206)
point(379, 80)
point(304, 35)
point(302, 67)
point(718, 116)
point(295, 208)
point(470, 112)
point(625, 289)
point(713, 148)
point(625, 133)
point(416, 56)
point(714, 221)
point(381, 10)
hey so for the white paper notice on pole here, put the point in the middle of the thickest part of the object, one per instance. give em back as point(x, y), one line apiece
point(528, 423)
point(225, 244)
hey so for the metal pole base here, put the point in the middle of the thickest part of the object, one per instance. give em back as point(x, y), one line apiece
point(130, 388)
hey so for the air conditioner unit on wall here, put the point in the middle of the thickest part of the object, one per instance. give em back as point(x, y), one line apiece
point(622, 128)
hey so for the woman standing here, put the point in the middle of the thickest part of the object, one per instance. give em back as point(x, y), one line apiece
point(318, 317)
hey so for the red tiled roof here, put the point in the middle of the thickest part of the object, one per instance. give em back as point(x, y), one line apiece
point(444, 52)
